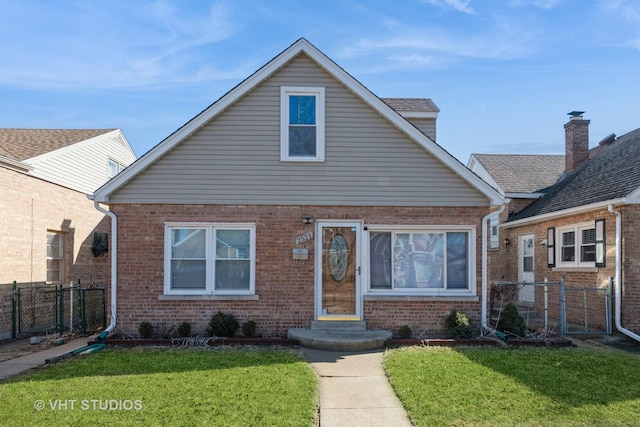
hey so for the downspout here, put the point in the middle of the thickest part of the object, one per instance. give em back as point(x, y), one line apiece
point(618, 275)
point(485, 272)
point(114, 270)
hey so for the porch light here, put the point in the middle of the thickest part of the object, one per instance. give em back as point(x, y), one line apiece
point(307, 220)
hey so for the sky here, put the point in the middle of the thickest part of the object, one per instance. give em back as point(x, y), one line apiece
point(504, 73)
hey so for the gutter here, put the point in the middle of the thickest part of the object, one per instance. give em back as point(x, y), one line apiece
point(485, 270)
point(616, 282)
point(114, 269)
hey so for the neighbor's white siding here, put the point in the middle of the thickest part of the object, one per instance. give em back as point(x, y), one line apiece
point(83, 166)
point(235, 158)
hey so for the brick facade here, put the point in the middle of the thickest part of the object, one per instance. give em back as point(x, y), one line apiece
point(504, 262)
point(285, 287)
point(30, 208)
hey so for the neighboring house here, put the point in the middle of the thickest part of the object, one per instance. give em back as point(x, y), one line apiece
point(521, 178)
point(300, 196)
point(46, 221)
point(573, 230)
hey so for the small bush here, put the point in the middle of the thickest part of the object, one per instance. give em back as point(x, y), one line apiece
point(249, 328)
point(145, 329)
point(404, 332)
point(458, 325)
point(223, 325)
point(184, 329)
point(511, 321)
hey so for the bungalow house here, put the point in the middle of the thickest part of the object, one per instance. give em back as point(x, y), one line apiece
point(47, 223)
point(582, 228)
point(300, 199)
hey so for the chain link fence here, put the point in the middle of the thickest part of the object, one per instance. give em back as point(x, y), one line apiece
point(554, 308)
point(38, 308)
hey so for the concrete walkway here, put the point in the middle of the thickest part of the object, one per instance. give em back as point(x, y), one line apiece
point(354, 390)
point(17, 365)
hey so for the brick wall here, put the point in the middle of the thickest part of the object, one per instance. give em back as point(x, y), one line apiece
point(630, 312)
point(285, 286)
point(504, 262)
point(29, 208)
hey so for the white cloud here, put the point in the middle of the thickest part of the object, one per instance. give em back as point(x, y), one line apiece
point(111, 45)
point(542, 4)
point(459, 5)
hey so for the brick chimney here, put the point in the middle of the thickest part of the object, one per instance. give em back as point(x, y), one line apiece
point(576, 136)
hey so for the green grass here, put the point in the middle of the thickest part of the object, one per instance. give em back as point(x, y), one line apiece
point(499, 387)
point(166, 387)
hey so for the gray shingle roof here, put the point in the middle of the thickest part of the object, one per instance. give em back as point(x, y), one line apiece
point(612, 174)
point(523, 173)
point(23, 144)
point(421, 105)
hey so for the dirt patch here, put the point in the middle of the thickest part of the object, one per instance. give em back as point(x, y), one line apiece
point(10, 349)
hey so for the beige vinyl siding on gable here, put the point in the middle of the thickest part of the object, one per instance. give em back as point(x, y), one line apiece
point(426, 126)
point(235, 158)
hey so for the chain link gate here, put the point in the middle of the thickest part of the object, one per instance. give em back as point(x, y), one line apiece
point(45, 309)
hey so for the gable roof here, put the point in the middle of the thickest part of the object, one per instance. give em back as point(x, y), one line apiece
point(612, 175)
point(522, 173)
point(300, 46)
point(23, 144)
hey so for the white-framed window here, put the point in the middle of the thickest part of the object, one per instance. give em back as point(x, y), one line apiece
point(302, 124)
point(209, 258)
point(576, 245)
point(114, 168)
point(55, 257)
point(422, 260)
point(494, 242)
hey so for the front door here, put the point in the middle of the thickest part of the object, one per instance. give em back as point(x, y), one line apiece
point(338, 271)
point(526, 293)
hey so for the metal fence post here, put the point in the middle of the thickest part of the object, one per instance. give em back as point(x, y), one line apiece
point(563, 309)
point(14, 304)
point(608, 306)
point(546, 304)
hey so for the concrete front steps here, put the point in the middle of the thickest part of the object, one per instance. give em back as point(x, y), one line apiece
point(339, 336)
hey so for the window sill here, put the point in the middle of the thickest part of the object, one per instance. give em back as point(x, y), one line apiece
point(434, 298)
point(576, 269)
point(163, 297)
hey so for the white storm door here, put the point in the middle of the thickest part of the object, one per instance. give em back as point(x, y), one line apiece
point(338, 294)
point(526, 257)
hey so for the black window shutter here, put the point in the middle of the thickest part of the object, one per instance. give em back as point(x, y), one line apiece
point(551, 247)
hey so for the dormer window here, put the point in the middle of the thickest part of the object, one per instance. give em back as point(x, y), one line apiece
point(302, 124)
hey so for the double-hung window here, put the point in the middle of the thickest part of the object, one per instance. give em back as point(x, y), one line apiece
point(302, 124)
point(114, 168)
point(208, 258)
point(421, 261)
point(579, 245)
point(55, 257)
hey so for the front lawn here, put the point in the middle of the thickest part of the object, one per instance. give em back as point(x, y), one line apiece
point(117, 387)
point(532, 387)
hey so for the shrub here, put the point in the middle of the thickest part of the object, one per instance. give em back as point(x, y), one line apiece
point(145, 329)
point(511, 321)
point(404, 332)
point(223, 325)
point(458, 324)
point(184, 329)
point(249, 328)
